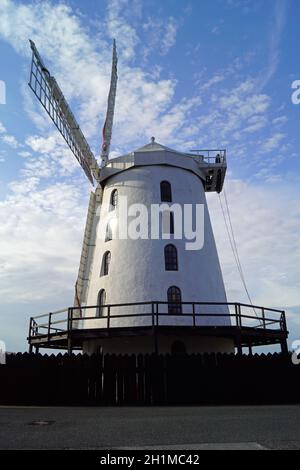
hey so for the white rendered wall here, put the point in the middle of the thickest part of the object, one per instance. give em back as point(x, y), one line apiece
point(137, 268)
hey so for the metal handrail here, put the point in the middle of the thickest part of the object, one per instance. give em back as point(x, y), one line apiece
point(218, 158)
point(53, 313)
point(155, 314)
point(165, 302)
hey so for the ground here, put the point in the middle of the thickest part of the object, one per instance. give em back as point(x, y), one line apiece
point(191, 428)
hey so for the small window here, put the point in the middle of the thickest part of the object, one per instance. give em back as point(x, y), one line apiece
point(165, 191)
point(105, 263)
point(174, 300)
point(101, 302)
point(108, 234)
point(171, 262)
point(114, 199)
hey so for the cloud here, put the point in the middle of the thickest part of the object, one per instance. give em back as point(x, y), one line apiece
point(2, 128)
point(120, 29)
point(11, 141)
point(246, 6)
point(24, 154)
point(232, 111)
point(215, 30)
point(169, 37)
point(49, 157)
point(41, 232)
point(160, 34)
point(276, 30)
point(279, 121)
point(82, 66)
point(255, 123)
point(266, 220)
point(273, 142)
point(213, 81)
point(7, 138)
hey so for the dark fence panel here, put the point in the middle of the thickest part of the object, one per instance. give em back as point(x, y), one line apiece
point(149, 379)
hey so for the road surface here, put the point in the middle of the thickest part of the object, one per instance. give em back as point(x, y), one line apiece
point(190, 428)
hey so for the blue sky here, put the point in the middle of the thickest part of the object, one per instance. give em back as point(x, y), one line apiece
point(195, 74)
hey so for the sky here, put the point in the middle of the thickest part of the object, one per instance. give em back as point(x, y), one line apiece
point(194, 74)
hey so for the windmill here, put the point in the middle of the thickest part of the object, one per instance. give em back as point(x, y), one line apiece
point(136, 295)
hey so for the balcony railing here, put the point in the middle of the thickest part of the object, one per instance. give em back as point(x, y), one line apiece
point(210, 156)
point(156, 314)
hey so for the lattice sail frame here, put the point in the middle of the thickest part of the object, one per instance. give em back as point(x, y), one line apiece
point(47, 91)
point(108, 124)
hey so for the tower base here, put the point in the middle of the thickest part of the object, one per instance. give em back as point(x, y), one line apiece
point(162, 344)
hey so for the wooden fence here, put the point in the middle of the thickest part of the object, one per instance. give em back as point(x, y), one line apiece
point(207, 379)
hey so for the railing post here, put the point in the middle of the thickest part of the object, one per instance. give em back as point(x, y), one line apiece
point(29, 336)
point(69, 333)
point(237, 320)
point(30, 327)
point(156, 329)
point(239, 325)
point(152, 313)
point(284, 347)
point(240, 315)
point(194, 318)
point(283, 322)
point(108, 317)
point(49, 325)
point(263, 317)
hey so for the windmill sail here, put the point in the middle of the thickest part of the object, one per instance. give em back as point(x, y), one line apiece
point(47, 91)
point(108, 124)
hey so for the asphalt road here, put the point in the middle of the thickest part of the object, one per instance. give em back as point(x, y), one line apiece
point(241, 427)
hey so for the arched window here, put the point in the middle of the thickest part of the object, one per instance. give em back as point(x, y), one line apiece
point(174, 300)
point(105, 263)
point(165, 191)
point(171, 261)
point(101, 302)
point(114, 199)
point(108, 234)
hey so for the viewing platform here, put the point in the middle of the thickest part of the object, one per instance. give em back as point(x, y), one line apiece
point(213, 163)
point(247, 325)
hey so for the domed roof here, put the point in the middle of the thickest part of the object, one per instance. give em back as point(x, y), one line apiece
point(153, 147)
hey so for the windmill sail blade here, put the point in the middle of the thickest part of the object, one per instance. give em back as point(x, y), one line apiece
point(107, 128)
point(47, 91)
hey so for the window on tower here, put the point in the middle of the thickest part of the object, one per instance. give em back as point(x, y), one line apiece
point(101, 302)
point(171, 261)
point(108, 234)
point(165, 191)
point(174, 300)
point(114, 199)
point(105, 263)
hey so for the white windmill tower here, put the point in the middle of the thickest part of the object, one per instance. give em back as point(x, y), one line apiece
point(148, 291)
